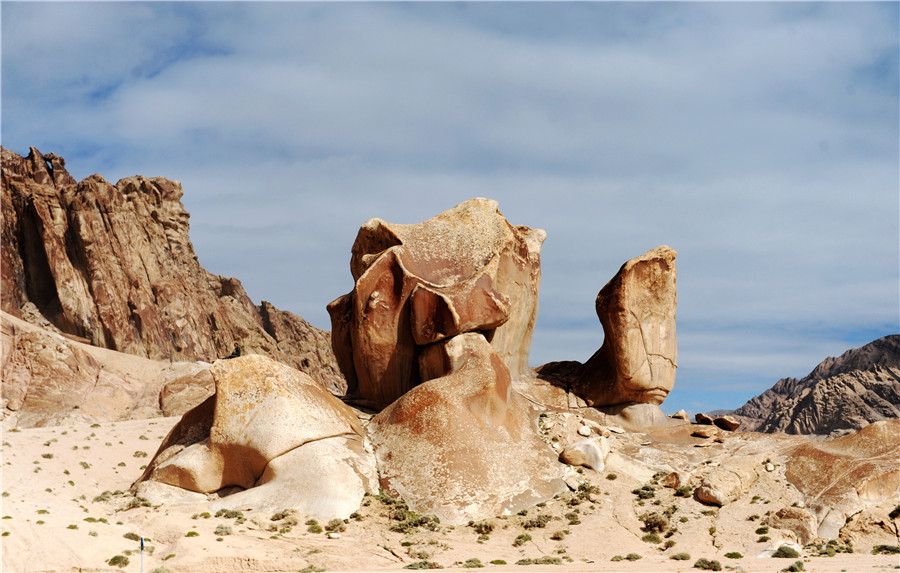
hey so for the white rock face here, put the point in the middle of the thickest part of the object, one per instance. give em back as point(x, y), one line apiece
point(588, 453)
point(719, 487)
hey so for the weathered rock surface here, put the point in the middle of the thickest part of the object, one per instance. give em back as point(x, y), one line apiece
point(269, 429)
point(727, 423)
point(588, 453)
point(843, 475)
point(803, 523)
point(49, 379)
point(186, 392)
point(465, 270)
point(113, 264)
point(638, 358)
point(464, 446)
point(844, 393)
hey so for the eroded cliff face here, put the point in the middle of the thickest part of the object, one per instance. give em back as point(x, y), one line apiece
point(113, 265)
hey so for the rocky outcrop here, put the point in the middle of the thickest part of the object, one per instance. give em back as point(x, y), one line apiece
point(465, 270)
point(464, 445)
point(638, 358)
point(269, 426)
point(840, 394)
point(113, 265)
point(49, 379)
point(843, 475)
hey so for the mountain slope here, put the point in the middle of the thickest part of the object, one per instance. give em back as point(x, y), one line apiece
point(848, 392)
point(113, 265)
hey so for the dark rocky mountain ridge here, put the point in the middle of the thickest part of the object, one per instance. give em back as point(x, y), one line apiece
point(842, 393)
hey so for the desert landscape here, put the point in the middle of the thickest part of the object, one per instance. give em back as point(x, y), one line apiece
point(414, 434)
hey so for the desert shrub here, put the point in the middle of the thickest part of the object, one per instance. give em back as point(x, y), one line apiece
point(669, 544)
point(311, 569)
point(230, 513)
point(483, 527)
point(632, 557)
point(336, 525)
point(573, 518)
point(410, 521)
point(684, 491)
point(118, 561)
point(498, 562)
point(545, 560)
point(280, 515)
point(611, 476)
point(646, 491)
point(559, 535)
point(536, 522)
point(314, 526)
point(680, 557)
point(160, 570)
point(223, 530)
point(420, 555)
point(786, 552)
point(617, 558)
point(763, 539)
point(885, 550)
point(132, 536)
point(72, 526)
point(762, 530)
point(734, 555)
point(521, 540)
point(651, 538)
point(137, 502)
point(707, 565)
point(47, 456)
point(139, 454)
point(472, 563)
point(192, 534)
point(712, 529)
point(423, 565)
point(655, 523)
point(795, 566)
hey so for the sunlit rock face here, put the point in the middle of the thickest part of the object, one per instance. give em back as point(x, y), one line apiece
point(638, 358)
point(465, 270)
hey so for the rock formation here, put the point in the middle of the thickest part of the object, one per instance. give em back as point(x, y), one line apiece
point(635, 366)
point(464, 445)
point(844, 393)
point(113, 265)
point(49, 379)
point(465, 270)
point(271, 430)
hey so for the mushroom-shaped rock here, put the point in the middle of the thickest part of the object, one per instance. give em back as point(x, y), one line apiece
point(703, 419)
point(465, 270)
point(263, 418)
point(727, 423)
point(464, 445)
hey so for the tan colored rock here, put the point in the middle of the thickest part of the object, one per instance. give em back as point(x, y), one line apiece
point(702, 418)
point(727, 423)
point(675, 480)
point(719, 487)
point(464, 446)
point(261, 410)
point(803, 523)
point(465, 270)
point(682, 415)
point(705, 432)
point(186, 392)
point(113, 265)
point(588, 453)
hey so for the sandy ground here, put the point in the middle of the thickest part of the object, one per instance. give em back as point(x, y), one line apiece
point(56, 517)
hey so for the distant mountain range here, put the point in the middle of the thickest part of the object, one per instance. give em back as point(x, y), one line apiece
point(845, 393)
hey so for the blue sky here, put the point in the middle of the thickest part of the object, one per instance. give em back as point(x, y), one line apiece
point(760, 140)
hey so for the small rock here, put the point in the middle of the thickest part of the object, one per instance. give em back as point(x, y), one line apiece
point(681, 415)
point(719, 487)
point(588, 453)
point(704, 432)
point(584, 431)
point(719, 440)
point(556, 446)
point(549, 424)
point(727, 423)
point(703, 419)
point(675, 480)
point(333, 535)
point(616, 429)
point(770, 467)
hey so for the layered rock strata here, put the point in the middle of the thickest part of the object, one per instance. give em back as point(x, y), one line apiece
point(465, 270)
point(113, 265)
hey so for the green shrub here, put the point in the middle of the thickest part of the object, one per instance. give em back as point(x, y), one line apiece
point(885, 550)
point(223, 530)
point(573, 518)
point(669, 543)
point(651, 538)
point(521, 540)
point(230, 513)
point(646, 491)
point(191, 534)
point(707, 565)
point(483, 527)
point(536, 522)
point(498, 562)
point(336, 525)
point(763, 539)
point(684, 491)
point(712, 529)
point(132, 536)
point(472, 563)
point(617, 558)
point(545, 560)
point(762, 530)
point(795, 566)
point(734, 555)
point(632, 557)
point(314, 526)
point(559, 535)
point(680, 557)
point(118, 561)
point(611, 476)
point(786, 552)
point(423, 565)
point(655, 523)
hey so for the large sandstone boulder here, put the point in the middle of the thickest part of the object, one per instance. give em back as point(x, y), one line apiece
point(638, 358)
point(270, 426)
point(113, 265)
point(465, 270)
point(464, 445)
